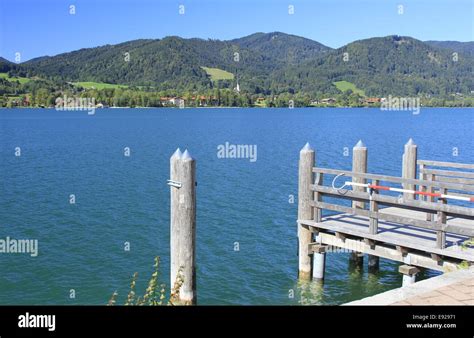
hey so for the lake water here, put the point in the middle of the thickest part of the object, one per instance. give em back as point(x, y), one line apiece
point(125, 199)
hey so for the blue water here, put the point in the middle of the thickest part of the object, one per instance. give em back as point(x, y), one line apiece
point(125, 199)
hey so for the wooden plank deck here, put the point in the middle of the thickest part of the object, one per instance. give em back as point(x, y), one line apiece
point(396, 234)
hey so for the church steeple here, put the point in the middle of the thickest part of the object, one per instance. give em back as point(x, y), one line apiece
point(237, 88)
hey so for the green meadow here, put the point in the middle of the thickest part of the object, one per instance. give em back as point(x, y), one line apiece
point(344, 86)
point(217, 74)
point(11, 79)
point(98, 85)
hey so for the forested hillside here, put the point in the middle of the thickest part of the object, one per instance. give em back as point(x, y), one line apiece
point(275, 65)
point(383, 66)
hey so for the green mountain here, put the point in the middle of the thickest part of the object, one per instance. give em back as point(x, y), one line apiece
point(393, 65)
point(176, 63)
point(463, 48)
point(281, 47)
point(172, 62)
point(265, 63)
point(6, 66)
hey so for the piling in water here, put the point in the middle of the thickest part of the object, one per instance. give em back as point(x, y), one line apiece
point(359, 165)
point(319, 261)
point(305, 211)
point(183, 225)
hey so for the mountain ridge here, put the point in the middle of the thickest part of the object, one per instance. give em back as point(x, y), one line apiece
point(267, 63)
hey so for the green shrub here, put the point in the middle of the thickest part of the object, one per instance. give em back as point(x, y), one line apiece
point(155, 293)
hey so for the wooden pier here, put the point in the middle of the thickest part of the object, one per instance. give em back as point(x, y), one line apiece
point(425, 225)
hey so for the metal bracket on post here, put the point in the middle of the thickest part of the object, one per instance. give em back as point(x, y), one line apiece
point(175, 184)
point(370, 191)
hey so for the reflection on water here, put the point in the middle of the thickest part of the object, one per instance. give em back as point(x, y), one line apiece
point(310, 292)
point(357, 282)
point(373, 285)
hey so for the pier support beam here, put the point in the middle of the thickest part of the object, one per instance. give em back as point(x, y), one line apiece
point(409, 274)
point(305, 211)
point(319, 261)
point(183, 226)
point(409, 167)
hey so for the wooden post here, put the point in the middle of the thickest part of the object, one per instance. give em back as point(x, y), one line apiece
point(429, 216)
point(423, 177)
point(409, 167)
point(318, 212)
point(422, 188)
point(305, 211)
point(425, 188)
point(374, 209)
point(373, 261)
point(359, 165)
point(174, 216)
point(319, 252)
point(441, 220)
point(183, 225)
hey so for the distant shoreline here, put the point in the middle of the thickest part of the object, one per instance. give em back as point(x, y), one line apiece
point(178, 108)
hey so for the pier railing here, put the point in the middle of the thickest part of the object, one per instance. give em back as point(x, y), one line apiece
point(377, 198)
point(429, 170)
point(448, 172)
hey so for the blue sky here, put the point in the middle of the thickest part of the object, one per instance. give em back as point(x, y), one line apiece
point(45, 27)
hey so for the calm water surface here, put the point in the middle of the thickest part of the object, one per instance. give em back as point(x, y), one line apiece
point(125, 199)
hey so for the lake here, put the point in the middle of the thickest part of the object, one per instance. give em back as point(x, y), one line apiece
point(123, 201)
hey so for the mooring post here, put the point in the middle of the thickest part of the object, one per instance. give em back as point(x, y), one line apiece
point(174, 213)
point(183, 225)
point(305, 211)
point(409, 274)
point(409, 167)
point(359, 165)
